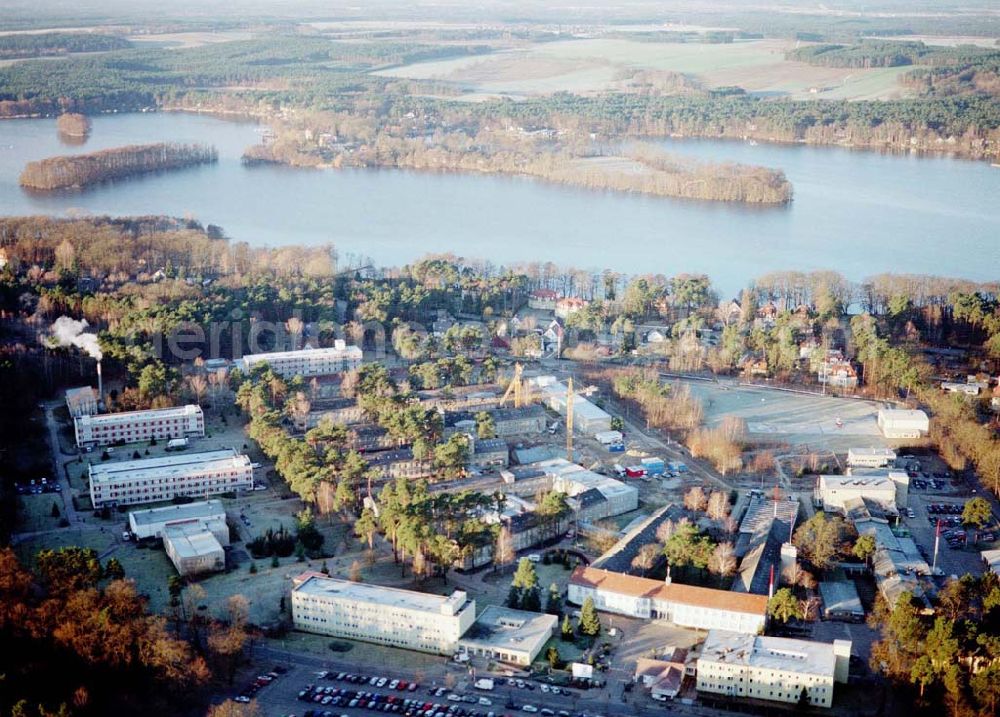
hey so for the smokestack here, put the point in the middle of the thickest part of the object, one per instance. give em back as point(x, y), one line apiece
point(100, 384)
point(770, 585)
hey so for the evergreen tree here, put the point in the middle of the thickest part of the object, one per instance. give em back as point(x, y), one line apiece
point(113, 569)
point(553, 657)
point(525, 578)
point(553, 604)
point(590, 623)
point(514, 598)
point(531, 600)
point(566, 632)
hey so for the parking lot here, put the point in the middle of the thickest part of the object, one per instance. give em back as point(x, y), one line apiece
point(307, 692)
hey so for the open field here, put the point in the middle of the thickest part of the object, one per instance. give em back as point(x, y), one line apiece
point(586, 66)
point(183, 40)
point(792, 417)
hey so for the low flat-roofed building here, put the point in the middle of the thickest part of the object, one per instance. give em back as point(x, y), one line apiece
point(832, 491)
point(307, 362)
point(150, 523)
point(135, 426)
point(870, 457)
point(81, 401)
point(841, 601)
point(193, 548)
point(152, 480)
point(772, 668)
point(386, 616)
point(575, 480)
point(903, 423)
point(685, 605)
point(515, 637)
point(587, 417)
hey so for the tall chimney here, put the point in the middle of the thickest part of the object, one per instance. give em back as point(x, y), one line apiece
point(770, 585)
point(100, 384)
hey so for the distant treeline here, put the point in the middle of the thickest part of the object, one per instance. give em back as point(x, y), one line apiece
point(58, 43)
point(83, 169)
point(877, 53)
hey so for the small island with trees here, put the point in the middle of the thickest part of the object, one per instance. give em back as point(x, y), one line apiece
point(82, 170)
point(73, 124)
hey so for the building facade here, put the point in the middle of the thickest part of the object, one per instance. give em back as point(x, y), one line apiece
point(81, 401)
point(685, 605)
point(140, 426)
point(160, 479)
point(386, 616)
point(307, 362)
point(772, 668)
point(871, 457)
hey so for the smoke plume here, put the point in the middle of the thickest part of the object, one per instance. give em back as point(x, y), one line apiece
point(69, 332)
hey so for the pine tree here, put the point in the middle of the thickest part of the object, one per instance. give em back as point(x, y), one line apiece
point(566, 632)
point(531, 600)
point(553, 604)
point(514, 598)
point(553, 657)
point(590, 623)
point(525, 577)
point(113, 570)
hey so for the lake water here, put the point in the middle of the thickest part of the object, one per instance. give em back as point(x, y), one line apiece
point(860, 213)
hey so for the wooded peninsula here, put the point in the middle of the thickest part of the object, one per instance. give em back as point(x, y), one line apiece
point(82, 170)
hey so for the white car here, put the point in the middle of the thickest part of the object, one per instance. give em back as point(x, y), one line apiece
point(454, 698)
point(535, 558)
point(485, 702)
point(545, 688)
point(529, 708)
point(381, 682)
point(394, 684)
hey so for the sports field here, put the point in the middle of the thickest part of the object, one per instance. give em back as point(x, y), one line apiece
point(585, 66)
point(826, 422)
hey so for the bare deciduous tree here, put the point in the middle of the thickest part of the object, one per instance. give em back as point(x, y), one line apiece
point(695, 499)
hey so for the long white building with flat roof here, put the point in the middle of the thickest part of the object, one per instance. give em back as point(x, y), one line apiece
point(308, 362)
point(158, 479)
point(386, 616)
point(135, 426)
point(151, 522)
point(772, 668)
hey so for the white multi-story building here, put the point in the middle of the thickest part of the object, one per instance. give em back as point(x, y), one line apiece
point(135, 426)
point(308, 362)
point(81, 401)
point(386, 616)
point(903, 423)
point(150, 523)
point(772, 668)
point(193, 548)
point(157, 479)
point(685, 605)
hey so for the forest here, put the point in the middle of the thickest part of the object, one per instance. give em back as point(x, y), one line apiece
point(45, 44)
point(311, 74)
point(880, 53)
point(81, 170)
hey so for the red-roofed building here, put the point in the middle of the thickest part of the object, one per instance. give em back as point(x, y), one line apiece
point(543, 299)
point(685, 605)
point(569, 305)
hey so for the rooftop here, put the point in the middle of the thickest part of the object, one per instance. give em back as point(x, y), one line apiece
point(840, 596)
point(771, 653)
point(83, 393)
point(191, 540)
point(187, 511)
point(151, 414)
point(516, 629)
point(619, 557)
point(175, 464)
point(378, 595)
point(330, 351)
point(857, 482)
point(673, 592)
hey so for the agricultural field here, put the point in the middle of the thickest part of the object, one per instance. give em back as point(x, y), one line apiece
point(590, 66)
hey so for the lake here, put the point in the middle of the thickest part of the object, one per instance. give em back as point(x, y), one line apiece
point(859, 213)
